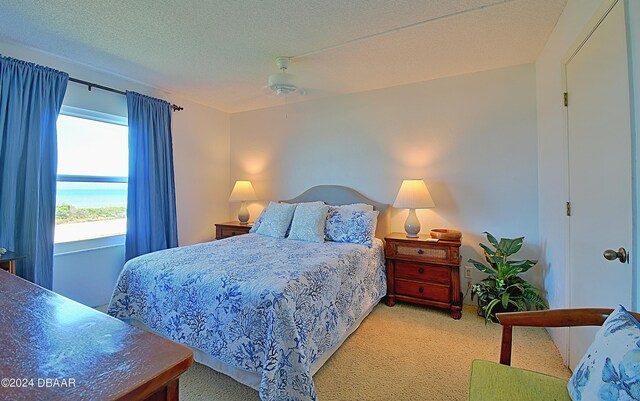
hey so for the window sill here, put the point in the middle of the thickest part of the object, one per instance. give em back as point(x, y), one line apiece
point(88, 230)
point(62, 248)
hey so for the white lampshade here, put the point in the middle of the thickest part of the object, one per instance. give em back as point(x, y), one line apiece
point(242, 191)
point(413, 194)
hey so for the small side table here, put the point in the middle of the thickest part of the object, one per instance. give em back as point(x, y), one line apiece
point(8, 261)
point(231, 229)
point(423, 272)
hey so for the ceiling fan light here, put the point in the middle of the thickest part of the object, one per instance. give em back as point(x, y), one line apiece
point(281, 78)
point(280, 84)
point(282, 91)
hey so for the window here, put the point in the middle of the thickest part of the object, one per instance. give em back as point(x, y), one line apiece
point(91, 200)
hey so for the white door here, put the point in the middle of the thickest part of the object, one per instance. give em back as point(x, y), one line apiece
point(599, 173)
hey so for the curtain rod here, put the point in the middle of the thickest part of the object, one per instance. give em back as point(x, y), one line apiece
point(90, 85)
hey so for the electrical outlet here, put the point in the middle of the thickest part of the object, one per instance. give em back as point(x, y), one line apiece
point(467, 271)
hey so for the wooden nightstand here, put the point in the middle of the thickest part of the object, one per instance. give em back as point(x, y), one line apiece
point(231, 229)
point(423, 272)
point(8, 261)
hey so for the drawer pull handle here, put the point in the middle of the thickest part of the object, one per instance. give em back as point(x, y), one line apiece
point(421, 270)
point(233, 233)
point(420, 251)
point(421, 290)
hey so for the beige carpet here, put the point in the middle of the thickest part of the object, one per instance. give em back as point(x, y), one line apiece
point(400, 353)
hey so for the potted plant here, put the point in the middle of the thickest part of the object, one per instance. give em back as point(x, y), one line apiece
point(504, 290)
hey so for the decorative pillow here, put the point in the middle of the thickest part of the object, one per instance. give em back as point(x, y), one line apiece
point(308, 222)
point(354, 226)
point(258, 221)
point(320, 203)
point(276, 220)
point(610, 370)
point(355, 206)
point(334, 210)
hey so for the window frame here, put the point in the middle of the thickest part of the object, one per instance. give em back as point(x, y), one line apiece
point(100, 117)
point(91, 178)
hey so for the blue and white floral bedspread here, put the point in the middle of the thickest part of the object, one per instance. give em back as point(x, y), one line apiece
point(265, 305)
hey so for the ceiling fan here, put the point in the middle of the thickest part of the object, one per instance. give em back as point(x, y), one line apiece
point(281, 84)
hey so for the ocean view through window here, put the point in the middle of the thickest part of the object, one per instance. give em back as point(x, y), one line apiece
point(91, 197)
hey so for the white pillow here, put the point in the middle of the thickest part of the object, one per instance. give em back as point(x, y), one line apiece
point(258, 221)
point(356, 207)
point(305, 203)
point(276, 220)
point(308, 222)
point(610, 368)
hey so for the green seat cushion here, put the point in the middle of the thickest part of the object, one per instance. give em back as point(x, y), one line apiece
point(492, 381)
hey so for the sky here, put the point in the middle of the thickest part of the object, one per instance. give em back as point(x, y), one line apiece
point(88, 147)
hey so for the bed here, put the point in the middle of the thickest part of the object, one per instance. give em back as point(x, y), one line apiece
point(268, 312)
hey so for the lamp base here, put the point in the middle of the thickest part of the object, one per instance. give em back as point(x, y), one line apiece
point(412, 224)
point(243, 214)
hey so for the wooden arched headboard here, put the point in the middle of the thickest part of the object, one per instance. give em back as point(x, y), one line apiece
point(337, 195)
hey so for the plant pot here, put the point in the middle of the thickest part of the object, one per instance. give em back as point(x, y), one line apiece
point(496, 309)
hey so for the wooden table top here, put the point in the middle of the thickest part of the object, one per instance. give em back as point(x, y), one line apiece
point(46, 336)
point(235, 223)
point(421, 237)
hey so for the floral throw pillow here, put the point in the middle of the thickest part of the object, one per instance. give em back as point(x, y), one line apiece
point(610, 370)
point(354, 226)
point(308, 223)
point(276, 220)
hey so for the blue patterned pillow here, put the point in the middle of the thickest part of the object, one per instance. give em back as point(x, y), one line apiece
point(276, 220)
point(610, 370)
point(308, 223)
point(335, 210)
point(354, 226)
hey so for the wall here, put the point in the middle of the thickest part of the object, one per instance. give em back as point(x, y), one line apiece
point(472, 138)
point(201, 162)
point(552, 156)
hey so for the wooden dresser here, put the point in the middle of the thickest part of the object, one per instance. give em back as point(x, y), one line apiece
point(54, 348)
point(231, 229)
point(422, 272)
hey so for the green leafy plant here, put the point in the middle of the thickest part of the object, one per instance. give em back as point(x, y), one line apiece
point(66, 213)
point(504, 290)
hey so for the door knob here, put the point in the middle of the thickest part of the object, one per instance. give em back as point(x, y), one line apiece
point(621, 255)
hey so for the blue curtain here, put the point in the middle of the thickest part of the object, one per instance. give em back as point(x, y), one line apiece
point(30, 100)
point(151, 204)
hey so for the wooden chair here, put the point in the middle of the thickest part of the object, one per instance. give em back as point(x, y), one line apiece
point(496, 382)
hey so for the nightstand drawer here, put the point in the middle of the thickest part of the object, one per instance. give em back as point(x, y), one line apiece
point(231, 232)
point(423, 272)
point(433, 292)
point(231, 229)
point(427, 252)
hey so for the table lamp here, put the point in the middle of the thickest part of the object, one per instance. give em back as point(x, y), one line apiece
point(413, 194)
point(242, 192)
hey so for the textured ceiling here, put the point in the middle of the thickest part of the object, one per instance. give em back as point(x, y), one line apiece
point(220, 52)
